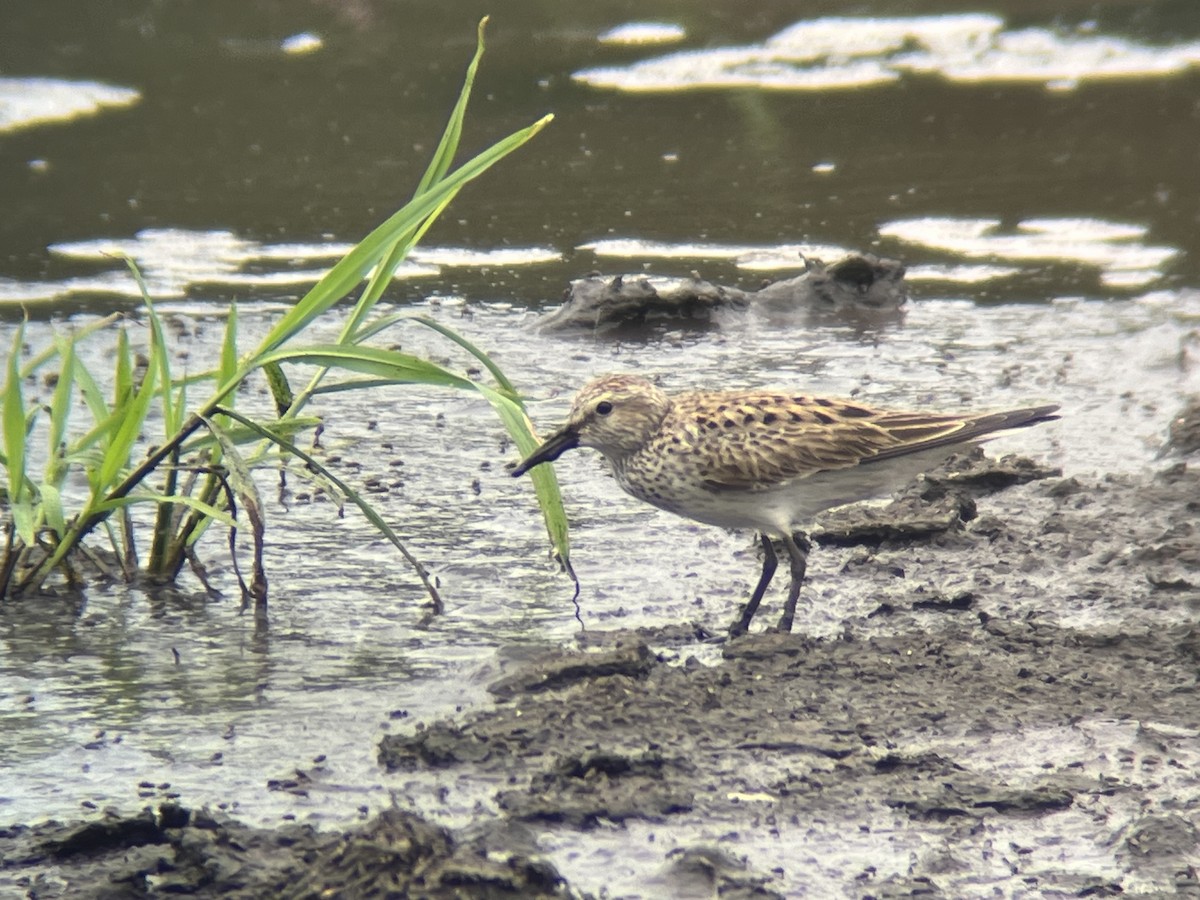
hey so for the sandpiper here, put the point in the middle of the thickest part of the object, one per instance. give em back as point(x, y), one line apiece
point(765, 460)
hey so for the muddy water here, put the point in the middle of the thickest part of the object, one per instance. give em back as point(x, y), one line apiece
point(1044, 197)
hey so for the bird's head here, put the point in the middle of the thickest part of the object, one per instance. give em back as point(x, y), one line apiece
point(615, 414)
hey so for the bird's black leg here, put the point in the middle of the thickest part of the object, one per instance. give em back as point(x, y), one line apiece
point(770, 562)
point(797, 546)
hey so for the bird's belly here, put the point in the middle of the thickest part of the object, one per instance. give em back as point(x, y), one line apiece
point(788, 506)
point(768, 510)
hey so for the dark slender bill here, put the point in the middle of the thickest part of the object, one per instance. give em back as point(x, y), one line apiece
point(552, 448)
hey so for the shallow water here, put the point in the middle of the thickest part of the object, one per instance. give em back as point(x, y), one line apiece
point(1046, 220)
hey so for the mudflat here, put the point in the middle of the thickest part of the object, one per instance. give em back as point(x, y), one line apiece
point(1037, 735)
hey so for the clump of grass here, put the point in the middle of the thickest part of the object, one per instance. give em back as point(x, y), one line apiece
point(200, 470)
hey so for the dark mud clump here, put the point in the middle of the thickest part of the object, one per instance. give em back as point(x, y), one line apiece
point(939, 501)
point(174, 851)
point(1184, 433)
point(856, 284)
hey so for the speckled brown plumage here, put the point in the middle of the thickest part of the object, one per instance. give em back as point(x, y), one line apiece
point(764, 460)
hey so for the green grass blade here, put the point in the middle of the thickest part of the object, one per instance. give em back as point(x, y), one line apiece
point(92, 394)
point(89, 447)
point(367, 510)
point(160, 357)
point(114, 503)
point(353, 384)
point(172, 419)
point(52, 508)
point(381, 276)
point(384, 248)
point(40, 359)
point(181, 399)
point(242, 436)
point(98, 436)
point(123, 377)
point(227, 371)
point(14, 430)
point(77, 335)
point(501, 378)
point(448, 146)
point(512, 413)
point(60, 412)
point(241, 482)
point(376, 326)
point(237, 472)
point(132, 418)
point(390, 365)
point(229, 354)
point(281, 389)
point(403, 368)
point(58, 464)
point(23, 516)
point(439, 164)
point(545, 482)
point(350, 270)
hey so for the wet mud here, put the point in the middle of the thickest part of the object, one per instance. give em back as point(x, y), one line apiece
point(920, 722)
point(172, 850)
point(1034, 734)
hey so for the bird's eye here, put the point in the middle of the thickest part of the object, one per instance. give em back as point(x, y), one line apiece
point(603, 408)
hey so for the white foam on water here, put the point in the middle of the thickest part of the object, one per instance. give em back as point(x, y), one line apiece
point(27, 102)
point(837, 53)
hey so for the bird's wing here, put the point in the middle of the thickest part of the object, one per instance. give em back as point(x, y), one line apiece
point(766, 439)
